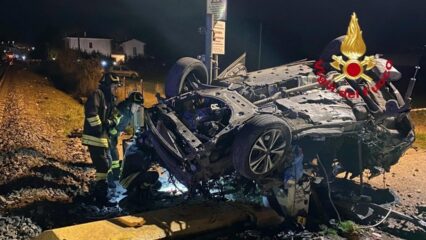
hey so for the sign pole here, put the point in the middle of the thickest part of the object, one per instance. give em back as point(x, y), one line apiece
point(216, 66)
point(209, 40)
point(215, 35)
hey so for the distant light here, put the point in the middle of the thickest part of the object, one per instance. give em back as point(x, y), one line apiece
point(33, 48)
point(114, 63)
point(24, 57)
point(104, 63)
point(4, 51)
point(16, 55)
point(53, 58)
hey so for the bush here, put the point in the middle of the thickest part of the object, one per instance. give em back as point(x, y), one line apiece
point(74, 72)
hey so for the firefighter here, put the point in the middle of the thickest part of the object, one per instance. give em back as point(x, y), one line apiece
point(98, 121)
point(124, 113)
point(137, 175)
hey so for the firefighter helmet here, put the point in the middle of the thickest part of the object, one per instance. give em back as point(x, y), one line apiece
point(109, 79)
point(136, 97)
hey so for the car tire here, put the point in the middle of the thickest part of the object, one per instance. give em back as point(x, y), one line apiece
point(332, 48)
point(181, 72)
point(264, 137)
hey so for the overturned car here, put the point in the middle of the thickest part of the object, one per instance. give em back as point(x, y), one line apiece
point(252, 123)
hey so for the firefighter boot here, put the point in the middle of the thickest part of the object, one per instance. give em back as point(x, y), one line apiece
point(101, 195)
point(111, 180)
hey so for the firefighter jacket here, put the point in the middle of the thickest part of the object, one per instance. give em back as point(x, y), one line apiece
point(97, 112)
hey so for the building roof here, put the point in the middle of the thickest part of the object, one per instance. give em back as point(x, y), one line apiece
point(92, 38)
point(132, 40)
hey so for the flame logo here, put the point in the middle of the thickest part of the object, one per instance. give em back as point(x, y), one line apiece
point(353, 45)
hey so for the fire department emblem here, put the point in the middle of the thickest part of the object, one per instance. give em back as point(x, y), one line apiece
point(353, 48)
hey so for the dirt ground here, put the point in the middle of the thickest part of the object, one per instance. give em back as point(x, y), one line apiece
point(408, 180)
point(43, 172)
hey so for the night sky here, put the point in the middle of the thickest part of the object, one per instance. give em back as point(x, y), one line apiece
point(291, 29)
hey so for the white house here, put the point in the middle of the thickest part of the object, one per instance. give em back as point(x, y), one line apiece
point(133, 48)
point(89, 45)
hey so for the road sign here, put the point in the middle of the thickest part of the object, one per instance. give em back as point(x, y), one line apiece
point(218, 44)
point(217, 8)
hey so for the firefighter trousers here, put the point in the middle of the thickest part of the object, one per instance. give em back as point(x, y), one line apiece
point(101, 159)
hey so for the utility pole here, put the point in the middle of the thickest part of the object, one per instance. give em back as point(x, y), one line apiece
point(215, 36)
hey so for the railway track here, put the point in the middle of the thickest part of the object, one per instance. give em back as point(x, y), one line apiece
point(3, 89)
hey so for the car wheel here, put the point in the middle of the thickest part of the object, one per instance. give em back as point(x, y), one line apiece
point(184, 76)
point(332, 48)
point(261, 146)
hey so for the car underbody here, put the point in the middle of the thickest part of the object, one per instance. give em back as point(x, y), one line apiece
point(196, 133)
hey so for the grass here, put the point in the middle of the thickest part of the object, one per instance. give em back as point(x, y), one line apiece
point(348, 227)
point(419, 119)
point(59, 109)
point(73, 112)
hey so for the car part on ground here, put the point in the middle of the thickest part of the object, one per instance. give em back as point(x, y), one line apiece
point(176, 222)
point(371, 206)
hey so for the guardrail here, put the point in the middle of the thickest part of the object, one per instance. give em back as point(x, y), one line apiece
point(3, 69)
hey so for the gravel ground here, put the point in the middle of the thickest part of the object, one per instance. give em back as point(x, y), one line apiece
point(18, 228)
